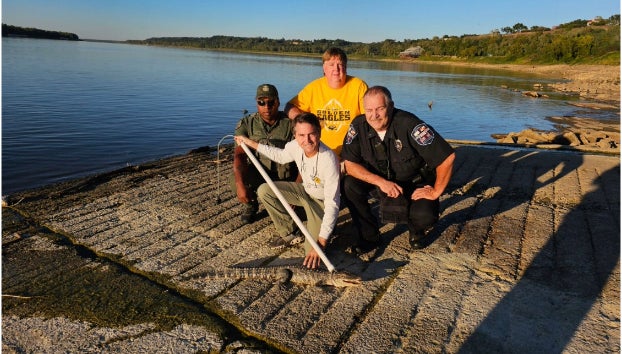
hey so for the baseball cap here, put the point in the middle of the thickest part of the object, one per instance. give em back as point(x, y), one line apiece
point(267, 90)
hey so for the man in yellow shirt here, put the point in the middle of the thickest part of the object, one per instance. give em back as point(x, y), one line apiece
point(335, 98)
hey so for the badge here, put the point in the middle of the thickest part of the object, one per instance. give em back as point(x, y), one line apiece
point(350, 135)
point(398, 145)
point(422, 134)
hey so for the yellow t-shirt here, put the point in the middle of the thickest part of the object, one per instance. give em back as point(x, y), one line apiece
point(335, 108)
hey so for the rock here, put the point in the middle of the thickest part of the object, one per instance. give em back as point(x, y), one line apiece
point(531, 94)
point(535, 136)
point(510, 139)
point(581, 133)
point(560, 140)
point(583, 138)
point(572, 138)
point(606, 144)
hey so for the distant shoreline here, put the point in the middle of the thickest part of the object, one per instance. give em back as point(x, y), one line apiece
point(22, 32)
point(599, 82)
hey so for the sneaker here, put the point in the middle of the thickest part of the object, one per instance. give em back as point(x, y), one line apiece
point(289, 240)
point(248, 215)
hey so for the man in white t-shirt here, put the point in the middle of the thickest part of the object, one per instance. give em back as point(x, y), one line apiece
point(318, 194)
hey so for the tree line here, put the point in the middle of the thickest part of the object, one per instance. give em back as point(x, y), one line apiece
point(15, 31)
point(579, 41)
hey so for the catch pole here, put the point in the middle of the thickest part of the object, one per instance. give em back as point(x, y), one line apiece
point(289, 209)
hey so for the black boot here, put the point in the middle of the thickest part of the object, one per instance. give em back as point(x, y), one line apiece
point(418, 239)
point(248, 214)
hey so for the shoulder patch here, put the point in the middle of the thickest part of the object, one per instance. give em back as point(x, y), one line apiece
point(350, 135)
point(422, 134)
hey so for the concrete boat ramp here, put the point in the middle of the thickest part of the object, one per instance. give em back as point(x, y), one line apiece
point(524, 260)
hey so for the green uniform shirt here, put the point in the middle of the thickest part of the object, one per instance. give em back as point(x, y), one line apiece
point(253, 127)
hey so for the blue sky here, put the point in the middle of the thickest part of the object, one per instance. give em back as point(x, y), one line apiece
point(357, 20)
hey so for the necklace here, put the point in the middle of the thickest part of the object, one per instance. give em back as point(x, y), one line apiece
point(313, 173)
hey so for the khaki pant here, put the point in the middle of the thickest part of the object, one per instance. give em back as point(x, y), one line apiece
point(294, 194)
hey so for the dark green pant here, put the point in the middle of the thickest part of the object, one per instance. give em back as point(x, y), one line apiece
point(252, 180)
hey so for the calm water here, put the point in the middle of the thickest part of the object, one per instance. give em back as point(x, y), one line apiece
point(71, 109)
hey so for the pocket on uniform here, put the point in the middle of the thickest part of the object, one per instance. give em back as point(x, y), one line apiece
point(406, 166)
point(393, 210)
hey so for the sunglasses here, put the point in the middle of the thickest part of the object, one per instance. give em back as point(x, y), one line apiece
point(262, 103)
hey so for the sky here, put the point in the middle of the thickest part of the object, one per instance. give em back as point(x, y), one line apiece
point(364, 21)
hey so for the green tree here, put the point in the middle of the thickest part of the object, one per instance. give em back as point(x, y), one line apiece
point(519, 27)
point(507, 29)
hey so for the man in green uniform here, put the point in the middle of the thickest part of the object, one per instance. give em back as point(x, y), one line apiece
point(268, 126)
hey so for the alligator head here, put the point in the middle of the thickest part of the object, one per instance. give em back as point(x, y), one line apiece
point(343, 279)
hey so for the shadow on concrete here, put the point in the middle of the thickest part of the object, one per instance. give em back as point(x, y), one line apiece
point(500, 181)
point(562, 284)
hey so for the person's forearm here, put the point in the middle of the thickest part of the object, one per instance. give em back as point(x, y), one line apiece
point(359, 172)
point(329, 220)
point(331, 203)
point(443, 174)
point(273, 153)
point(292, 111)
point(251, 143)
point(239, 165)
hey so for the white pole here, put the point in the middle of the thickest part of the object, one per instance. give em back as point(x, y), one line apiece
point(289, 209)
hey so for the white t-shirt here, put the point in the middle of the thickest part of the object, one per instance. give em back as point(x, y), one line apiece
point(320, 177)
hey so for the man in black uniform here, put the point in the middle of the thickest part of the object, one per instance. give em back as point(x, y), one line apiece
point(403, 160)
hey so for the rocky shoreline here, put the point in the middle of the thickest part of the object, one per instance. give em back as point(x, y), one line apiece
point(594, 82)
point(573, 133)
point(598, 87)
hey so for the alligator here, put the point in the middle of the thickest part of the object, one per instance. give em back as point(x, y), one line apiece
point(281, 274)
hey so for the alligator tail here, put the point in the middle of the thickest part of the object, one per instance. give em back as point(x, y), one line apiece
point(281, 275)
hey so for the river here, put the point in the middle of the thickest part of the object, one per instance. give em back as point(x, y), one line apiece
point(71, 109)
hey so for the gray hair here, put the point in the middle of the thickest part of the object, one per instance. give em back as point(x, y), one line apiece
point(308, 118)
point(380, 90)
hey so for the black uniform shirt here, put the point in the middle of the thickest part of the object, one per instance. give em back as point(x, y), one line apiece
point(409, 144)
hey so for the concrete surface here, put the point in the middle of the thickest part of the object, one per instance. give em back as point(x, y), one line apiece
point(524, 260)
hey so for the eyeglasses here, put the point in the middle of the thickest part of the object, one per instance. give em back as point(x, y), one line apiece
point(270, 103)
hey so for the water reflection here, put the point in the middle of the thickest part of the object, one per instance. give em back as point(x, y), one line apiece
point(75, 108)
